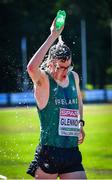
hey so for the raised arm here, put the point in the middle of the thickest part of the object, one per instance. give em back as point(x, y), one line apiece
point(36, 60)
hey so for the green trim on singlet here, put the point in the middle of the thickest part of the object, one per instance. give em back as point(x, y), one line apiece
point(49, 116)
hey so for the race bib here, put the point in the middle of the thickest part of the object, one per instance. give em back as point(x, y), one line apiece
point(69, 122)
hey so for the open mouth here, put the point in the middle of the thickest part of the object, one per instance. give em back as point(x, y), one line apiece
point(64, 77)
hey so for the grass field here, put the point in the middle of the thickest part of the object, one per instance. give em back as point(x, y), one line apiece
point(19, 135)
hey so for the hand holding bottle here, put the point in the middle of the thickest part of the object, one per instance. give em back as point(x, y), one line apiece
point(60, 19)
point(58, 23)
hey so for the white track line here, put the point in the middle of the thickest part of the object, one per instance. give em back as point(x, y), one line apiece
point(3, 177)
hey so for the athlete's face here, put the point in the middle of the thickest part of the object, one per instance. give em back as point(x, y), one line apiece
point(60, 68)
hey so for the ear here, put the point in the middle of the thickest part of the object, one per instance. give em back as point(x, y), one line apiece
point(50, 65)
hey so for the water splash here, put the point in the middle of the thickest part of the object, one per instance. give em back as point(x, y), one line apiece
point(46, 165)
point(60, 41)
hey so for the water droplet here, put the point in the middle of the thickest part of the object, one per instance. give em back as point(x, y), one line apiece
point(46, 165)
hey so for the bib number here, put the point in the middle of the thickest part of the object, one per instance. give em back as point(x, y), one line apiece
point(69, 122)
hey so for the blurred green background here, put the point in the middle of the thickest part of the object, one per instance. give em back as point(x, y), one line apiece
point(32, 19)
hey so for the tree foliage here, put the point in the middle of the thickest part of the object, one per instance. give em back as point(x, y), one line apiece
point(32, 19)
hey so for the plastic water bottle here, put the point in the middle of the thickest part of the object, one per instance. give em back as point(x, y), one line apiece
point(60, 19)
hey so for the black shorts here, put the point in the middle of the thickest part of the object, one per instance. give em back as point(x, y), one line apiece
point(56, 160)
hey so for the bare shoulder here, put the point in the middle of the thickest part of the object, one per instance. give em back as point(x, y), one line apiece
point(76, 76)
point(36, 74)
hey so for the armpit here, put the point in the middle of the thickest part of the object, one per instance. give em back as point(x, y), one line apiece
point(41, 80)
point(39, 83)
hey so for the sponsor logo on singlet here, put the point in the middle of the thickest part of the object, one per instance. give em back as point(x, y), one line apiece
point(69, 122)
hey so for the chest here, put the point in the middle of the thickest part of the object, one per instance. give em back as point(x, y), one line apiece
point(65, 97)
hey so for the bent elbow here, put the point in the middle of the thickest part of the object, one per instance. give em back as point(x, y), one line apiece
point(29, 68)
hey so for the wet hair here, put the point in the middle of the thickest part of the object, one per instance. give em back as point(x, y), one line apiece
point(59, 51)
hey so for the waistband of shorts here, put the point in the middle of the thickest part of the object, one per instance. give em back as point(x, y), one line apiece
point(47, 147)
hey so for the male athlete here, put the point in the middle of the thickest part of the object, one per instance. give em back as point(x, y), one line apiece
point(60, 109)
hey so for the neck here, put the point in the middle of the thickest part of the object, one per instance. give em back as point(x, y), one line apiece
point(61, 81)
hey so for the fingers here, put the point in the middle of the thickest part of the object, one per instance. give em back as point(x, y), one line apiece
point(53, 28)
point(61, 29)
point(53, 23)
point(81, 137)
point(80, 141)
